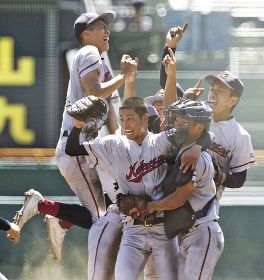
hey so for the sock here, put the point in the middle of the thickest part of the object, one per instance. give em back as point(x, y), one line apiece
point(49, 207)
point(64, 224)
point(75, 214)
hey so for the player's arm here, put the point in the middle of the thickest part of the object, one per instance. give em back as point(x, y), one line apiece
point(235, 180)
point(92, 85)
point(129, 90)
point(111, 122)
point(191, 156)
point(173, 37)
point(4, 224)
point(175, 200)
point(170, 88)
point(73, 146)
point(12, 230)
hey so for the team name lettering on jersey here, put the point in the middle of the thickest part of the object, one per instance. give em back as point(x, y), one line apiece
point(219, 149)
point(136, 173)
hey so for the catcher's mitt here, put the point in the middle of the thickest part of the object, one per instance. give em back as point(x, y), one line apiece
point(89, 108)
point(128, 202)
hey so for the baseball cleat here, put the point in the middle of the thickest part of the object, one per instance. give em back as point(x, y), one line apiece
point(56, 235)
point(29, 208)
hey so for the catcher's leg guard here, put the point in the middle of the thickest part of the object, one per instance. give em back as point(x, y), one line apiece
point(103, 243)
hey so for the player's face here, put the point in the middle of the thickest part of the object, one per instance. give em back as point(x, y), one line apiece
point(98, 35)
point(221, 100)
point(133, 126)
point(193, 129)
point(159, 107)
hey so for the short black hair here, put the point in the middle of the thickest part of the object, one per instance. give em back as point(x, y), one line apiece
point(135, 103)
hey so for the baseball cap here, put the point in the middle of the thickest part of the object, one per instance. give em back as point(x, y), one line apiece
point(158, 96)
point(87, 18)
point(229, 79)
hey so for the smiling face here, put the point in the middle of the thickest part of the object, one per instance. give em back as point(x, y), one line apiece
point(221, 100)
point(133, 126)
point(97, 34)
point(159, 107)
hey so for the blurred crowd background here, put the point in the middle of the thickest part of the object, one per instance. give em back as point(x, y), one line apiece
point(36, 43)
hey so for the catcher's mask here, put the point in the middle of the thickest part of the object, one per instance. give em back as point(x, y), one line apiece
point(191, 110)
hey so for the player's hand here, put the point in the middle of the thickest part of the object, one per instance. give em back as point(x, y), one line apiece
point(174, 35)
point(13, 234)
point(78, 123)
point(195, 92)
point(128, 66)
point(190, 158)
point(151, 207)
point(131, 77)
point(135, 213)
point(169, 61)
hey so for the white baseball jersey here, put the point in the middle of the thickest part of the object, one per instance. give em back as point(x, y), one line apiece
point(86, 60)
point(139, 169)
point(83, 181)
point(204, 187)
point(231, 148)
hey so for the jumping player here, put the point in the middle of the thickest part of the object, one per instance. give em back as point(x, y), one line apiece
point(89, 76)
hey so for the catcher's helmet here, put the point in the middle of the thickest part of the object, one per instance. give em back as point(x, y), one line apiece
point(194, 110)
point(191, 110)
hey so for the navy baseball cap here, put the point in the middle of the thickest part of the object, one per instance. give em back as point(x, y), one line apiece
point(229, 79)
point(87, 18)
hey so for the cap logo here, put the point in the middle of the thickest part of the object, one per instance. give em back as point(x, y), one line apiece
point(224, 75)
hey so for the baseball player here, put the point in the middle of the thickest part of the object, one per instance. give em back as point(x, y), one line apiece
point(202, 244)
point(128, 158)
point(233, 152)
point(231, 148)
point(136, 160)
point(89, 75)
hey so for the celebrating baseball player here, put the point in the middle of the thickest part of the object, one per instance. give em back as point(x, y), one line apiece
point(231, 149)
point(89, 76)
point(201, 239)
point(137, 161)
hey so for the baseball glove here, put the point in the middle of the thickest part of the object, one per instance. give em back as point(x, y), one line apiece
point(128, 202)
point(89, 108)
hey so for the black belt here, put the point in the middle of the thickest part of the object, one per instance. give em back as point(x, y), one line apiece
point(149, 223)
